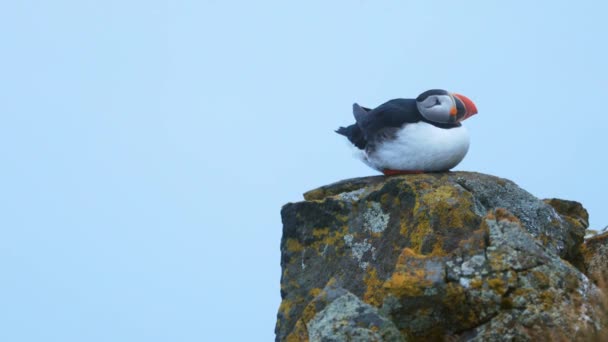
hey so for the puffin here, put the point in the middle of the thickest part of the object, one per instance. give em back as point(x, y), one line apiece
point(406, 136)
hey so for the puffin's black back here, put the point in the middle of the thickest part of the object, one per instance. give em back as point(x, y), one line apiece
point(391, 114)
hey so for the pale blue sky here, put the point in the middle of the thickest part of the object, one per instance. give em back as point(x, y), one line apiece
point(148, 145)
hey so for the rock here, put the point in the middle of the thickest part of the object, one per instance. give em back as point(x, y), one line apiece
point(595, 253)
point(577, 216)
point(457, 255)
point(347, 318)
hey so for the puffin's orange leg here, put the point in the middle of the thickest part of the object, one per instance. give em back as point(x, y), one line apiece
point(388, 172)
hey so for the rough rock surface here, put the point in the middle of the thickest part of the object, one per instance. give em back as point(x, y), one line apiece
point(459, 256)
point(595, 253)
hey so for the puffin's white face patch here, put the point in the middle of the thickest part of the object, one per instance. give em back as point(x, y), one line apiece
point(436, 108)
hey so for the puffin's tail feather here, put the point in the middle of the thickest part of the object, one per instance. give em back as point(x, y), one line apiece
point(354, 135)
point(343, 131)
point(359, 112)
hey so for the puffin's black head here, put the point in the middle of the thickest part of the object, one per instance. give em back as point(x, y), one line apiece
point(441, 106)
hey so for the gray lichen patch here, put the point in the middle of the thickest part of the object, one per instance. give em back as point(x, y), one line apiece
point(473, 265)
point(512, 247)
point(359, 249)
point(351, 196)
point(349, 319)
point(374, 219)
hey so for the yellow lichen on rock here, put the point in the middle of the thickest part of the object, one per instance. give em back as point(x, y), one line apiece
point(293, 246)
point(497, 285)
point(447, 205)
point(407, 279)
point(319, 232)
point(476, 283)
point(410, 284)
point(417, 233)
point(504, 214)
point(374, 293)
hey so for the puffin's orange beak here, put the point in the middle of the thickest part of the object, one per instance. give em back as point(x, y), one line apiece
point(469, 106)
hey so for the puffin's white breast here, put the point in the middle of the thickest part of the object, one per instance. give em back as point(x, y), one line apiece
point(421, 147)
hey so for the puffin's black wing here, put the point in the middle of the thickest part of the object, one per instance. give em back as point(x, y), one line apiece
point(391, 114)
point(370, 122)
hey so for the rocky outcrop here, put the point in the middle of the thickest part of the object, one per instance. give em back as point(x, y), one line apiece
point(595, 254)
point(458, 256)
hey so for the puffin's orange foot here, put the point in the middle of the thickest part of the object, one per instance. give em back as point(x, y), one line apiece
point(388, 172)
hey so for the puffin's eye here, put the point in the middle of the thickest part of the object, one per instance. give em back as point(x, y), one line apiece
point(433, 101)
